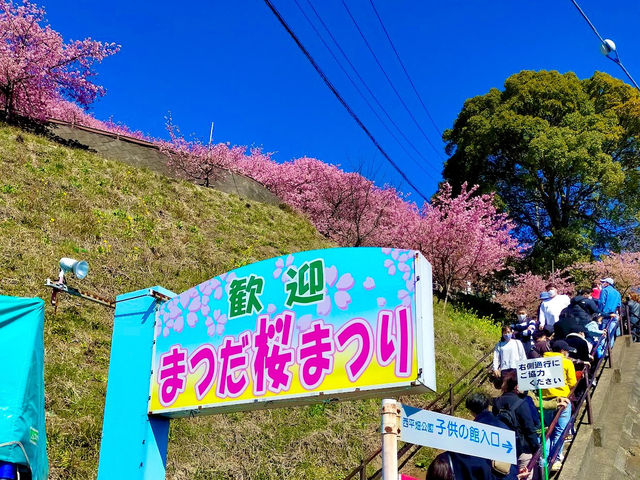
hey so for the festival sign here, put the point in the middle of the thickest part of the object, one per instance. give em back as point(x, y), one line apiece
point(297, 329)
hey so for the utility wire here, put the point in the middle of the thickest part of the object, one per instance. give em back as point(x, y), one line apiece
point(584, 15)
point(404, 69)
point(357, 88)
point(340, 98)
point(395, 90)
point(615, 58)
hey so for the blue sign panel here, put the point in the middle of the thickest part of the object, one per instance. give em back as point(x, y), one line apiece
point(432, 429)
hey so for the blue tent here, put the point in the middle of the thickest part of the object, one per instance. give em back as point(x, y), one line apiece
point(22, 428)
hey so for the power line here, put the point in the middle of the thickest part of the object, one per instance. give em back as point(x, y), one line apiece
point(395, 90)
point(328, 47)
point(415, 90)
point(584, 15)
point(611, 52)
point(340, 98)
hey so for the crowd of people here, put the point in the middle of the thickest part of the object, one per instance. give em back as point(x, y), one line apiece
point(569, 328)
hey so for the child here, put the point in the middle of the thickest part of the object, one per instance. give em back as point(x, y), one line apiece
point(524, 329)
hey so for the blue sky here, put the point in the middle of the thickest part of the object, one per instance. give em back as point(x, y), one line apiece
point(232, 63)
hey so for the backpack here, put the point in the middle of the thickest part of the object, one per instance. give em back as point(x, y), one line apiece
point(507, 415)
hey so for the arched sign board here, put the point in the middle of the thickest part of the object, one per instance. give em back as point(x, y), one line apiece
point(297, 329)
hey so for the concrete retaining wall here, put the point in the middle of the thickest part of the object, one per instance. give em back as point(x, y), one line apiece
point(140, 155)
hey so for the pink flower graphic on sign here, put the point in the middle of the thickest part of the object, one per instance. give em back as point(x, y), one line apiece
point(216, 325)
point(400, 261)
point(369, 283)
point(405, 297)
point(304, 322)
point(280, 266)
point(341, 296)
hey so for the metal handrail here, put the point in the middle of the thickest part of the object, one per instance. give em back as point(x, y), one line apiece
point(589, 375)
point(585, 397)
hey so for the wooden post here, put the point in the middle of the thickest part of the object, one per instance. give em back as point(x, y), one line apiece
point(389, 432)
point(363, 470)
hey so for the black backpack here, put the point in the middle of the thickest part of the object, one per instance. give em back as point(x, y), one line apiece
point(507, 415)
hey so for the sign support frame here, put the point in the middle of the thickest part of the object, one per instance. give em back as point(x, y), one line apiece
point(134, 443)
point(389, 431)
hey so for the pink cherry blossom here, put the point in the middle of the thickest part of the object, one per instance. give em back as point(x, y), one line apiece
point(304, 322)
point(192, 319)
point(331, 275)
point(346, 282)
point(525, 290)
point(342, 299)
point(38, 69)
point(179, 324)
point(324, 307)
point(195, 304)
point(369, 283)
point(184, 298)
point(464, 237)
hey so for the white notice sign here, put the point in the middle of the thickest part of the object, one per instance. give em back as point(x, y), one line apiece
point(437, 430)
point(546, 372)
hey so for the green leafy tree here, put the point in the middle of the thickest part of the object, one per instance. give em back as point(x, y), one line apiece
point(561, 153)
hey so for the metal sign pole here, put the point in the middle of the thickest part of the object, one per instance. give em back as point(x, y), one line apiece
point(134, 443)
point(544, 448)
point(389, 432)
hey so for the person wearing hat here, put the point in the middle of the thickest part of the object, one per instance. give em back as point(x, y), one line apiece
point(544, 296)
point(541, 343)
point(610, 299)
point(560, 348)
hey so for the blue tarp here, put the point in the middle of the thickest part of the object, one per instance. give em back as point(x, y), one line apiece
point(22, 428)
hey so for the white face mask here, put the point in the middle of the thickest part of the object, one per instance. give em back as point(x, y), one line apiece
point(522, 317)
point(553, 292)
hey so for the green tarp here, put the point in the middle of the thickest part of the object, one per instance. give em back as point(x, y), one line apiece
point(22, 428)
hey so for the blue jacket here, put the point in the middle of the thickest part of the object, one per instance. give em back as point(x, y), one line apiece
point(609, 300)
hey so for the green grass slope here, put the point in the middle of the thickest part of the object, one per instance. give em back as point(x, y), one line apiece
point(137, 229)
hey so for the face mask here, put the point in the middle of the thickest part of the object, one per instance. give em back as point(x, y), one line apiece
point(507, 337)
point(522, 317)
point(553, 292)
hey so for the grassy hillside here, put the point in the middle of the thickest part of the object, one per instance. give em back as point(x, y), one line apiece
point(139, 229)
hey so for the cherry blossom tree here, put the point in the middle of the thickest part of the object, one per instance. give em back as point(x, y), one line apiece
point(74, 114)
point(524, 290)
point(197, 161)
point(344, 206)
point(37, 68)
point(624, 268)
point(464, 237)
